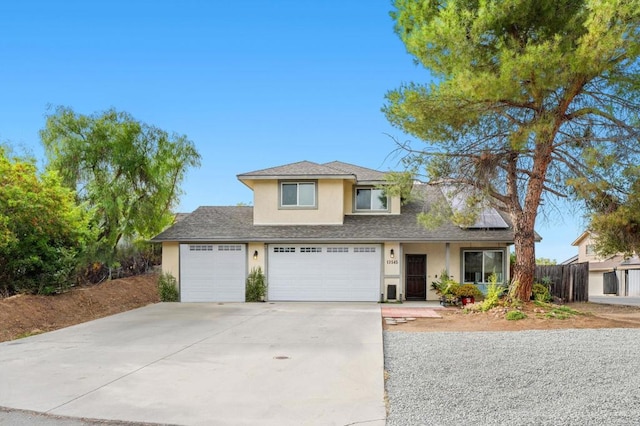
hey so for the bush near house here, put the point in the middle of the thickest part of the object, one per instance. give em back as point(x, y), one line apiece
point(168, 288)
point(256, 288)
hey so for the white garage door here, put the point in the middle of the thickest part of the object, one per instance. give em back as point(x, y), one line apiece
point(324, 272)
point(633, 288)
point(212, 272)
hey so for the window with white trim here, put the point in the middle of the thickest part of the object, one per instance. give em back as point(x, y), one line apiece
point(478, 265)
point(370, 199)
point(590, 250)
point(298, 194)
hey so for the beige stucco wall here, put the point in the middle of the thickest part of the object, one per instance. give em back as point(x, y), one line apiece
point(267, 210)
point(582, 251)
point(395, 204)
point(391, 268)
point(171, 259)
point(347, 196)
point(261, 258)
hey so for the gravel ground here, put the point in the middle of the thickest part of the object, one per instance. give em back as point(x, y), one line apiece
point(554, 377)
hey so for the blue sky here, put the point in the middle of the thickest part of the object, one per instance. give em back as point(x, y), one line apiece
point(253, 84)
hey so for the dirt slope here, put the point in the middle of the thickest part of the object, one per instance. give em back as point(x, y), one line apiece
point(24, 315)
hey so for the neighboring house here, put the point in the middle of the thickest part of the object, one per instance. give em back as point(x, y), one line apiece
point(613, 275)
point(327, 232)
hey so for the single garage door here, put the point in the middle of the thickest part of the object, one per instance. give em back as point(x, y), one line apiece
point(633, 280)
point(324, 272)
point(212, 272)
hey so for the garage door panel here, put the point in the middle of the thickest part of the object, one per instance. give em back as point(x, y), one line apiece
point(212, 272)
point(324, 272)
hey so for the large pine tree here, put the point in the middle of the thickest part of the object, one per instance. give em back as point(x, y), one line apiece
point(528, 97)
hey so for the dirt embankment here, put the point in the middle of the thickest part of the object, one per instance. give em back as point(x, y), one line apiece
point(25, 315)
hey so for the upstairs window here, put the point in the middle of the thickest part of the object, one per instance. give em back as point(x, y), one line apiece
point(298, 194)
point(370, 199)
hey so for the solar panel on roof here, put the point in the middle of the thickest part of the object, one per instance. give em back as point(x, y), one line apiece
point(488, 216)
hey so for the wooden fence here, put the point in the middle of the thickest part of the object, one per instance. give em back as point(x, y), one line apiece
point(568, 282)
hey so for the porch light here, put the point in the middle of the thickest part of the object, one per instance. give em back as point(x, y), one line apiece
point(255, 254)
point(392, 254)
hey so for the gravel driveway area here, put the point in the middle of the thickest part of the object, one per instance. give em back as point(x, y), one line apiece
point(554, 377)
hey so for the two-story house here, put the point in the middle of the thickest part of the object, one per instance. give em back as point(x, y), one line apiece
point(611, 275)
point(328, 232)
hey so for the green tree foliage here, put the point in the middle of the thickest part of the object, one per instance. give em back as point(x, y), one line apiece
point(127, 172)
point(545, 261)
point(529, 98)
point(399, 184)
point(42, 230)
point(614, 206)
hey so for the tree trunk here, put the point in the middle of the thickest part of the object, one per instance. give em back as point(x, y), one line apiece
point(525, 266)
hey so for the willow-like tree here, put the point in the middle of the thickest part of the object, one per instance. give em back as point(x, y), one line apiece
point(523, 92)
point(127, 173)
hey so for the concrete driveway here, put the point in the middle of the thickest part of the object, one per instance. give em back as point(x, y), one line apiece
point(197, 364)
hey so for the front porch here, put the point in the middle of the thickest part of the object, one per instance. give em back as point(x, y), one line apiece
point(410, 267)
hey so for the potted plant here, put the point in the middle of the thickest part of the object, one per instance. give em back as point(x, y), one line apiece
point(467, 293)
point(446, 288)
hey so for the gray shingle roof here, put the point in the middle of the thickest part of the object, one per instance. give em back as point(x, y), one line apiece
point(309, 169)
point(361, 173)
point(302, 168)
point(221, 224)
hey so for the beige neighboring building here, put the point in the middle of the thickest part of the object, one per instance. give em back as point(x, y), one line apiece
point(613, 275)
point(328, 232)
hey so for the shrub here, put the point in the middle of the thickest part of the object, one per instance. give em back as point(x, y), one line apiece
point(168, 288)
point(468, 290)
point(494, 292)
point(515, 315)
point(445, 286)
point(256, 288)
point(42, 228)
point(540, 293)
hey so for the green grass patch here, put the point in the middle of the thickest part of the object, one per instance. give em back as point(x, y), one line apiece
point(515, 315)
point(561, 312)
point(28, 334)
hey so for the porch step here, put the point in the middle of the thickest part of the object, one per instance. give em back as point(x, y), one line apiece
point(395, 312)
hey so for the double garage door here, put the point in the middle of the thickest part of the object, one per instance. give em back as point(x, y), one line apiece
point(324, 272)
point(321, 272)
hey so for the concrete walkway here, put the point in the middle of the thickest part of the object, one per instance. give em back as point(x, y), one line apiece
point(202, 364)
point(616, 300)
